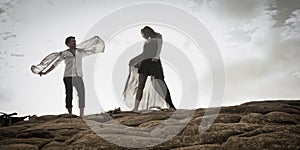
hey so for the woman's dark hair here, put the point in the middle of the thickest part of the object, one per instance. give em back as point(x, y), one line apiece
point(68, 39)
point(149, 32)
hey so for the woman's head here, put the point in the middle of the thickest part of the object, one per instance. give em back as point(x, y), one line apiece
point(149, 32)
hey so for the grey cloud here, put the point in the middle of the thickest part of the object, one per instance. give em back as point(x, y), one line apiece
point(1, 11)
point(7, 35)
point(272, 72)
point(233, 15)
point(296, 73)
point(267, 74)
point(5, 7)
point(293, 24)
point(233, 9)
point(17, 55)
point(284, 10)
point(236, 13)
point(240, 36)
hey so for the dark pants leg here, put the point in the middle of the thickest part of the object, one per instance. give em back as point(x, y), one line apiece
point(79, 85)
point(69, 91)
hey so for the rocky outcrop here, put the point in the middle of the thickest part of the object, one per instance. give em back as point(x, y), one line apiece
point(254, 125)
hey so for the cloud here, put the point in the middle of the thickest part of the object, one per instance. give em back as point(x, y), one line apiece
point(6, 7)
point(284, 9)
point(7, 35)
point(240, 36)
point(1, 11)
point(17, 55)
point(296, 73)
point(267, 76)
point(292, 28)
point(259, 41)
point(233, 21)
point(232, 11)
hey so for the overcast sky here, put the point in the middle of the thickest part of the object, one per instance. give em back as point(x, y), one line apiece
point(258, 41)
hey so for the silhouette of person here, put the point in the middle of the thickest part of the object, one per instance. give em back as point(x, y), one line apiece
point(73, 73)
point(150, 65)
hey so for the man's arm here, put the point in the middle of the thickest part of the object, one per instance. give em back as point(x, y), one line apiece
point(57, 62)
point(46, 72)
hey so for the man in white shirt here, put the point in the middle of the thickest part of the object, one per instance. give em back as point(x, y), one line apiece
point(72, 75)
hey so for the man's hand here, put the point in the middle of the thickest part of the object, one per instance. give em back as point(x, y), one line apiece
point(42, 73)
point(49, 70)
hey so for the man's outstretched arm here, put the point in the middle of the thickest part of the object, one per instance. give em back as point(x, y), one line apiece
point(56, 63)
point(46, 72)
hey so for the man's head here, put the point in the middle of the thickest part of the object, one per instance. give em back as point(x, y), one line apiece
point(70, 42)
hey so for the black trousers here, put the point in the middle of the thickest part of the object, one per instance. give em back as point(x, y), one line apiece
point(77, 82)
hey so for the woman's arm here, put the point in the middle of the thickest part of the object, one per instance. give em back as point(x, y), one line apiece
point(159, 46)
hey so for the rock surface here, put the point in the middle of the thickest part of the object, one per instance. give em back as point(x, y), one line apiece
point(254, 125)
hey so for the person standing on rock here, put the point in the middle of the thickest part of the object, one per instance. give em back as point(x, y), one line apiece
point(73, 70)
point(150, 65)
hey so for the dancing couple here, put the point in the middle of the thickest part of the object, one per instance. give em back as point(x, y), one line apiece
point(146, 64)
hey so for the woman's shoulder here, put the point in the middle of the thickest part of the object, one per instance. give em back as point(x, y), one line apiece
point(153, 41)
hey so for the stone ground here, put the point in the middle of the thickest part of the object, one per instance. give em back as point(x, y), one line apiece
point(254, 125)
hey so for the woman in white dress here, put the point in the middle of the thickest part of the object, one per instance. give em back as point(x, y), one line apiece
point(150, 65)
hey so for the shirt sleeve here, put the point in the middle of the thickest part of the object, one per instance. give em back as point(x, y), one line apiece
point(59, 60)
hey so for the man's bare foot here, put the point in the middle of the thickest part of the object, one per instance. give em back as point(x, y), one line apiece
point(81, 112)
point(70, 110)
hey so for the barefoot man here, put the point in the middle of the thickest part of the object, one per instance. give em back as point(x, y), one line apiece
point(73, 73)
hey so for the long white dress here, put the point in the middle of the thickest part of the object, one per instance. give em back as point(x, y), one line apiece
point(151, 98)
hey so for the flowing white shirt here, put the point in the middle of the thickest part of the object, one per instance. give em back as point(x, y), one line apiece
point(73, 63)
point(91, 46)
